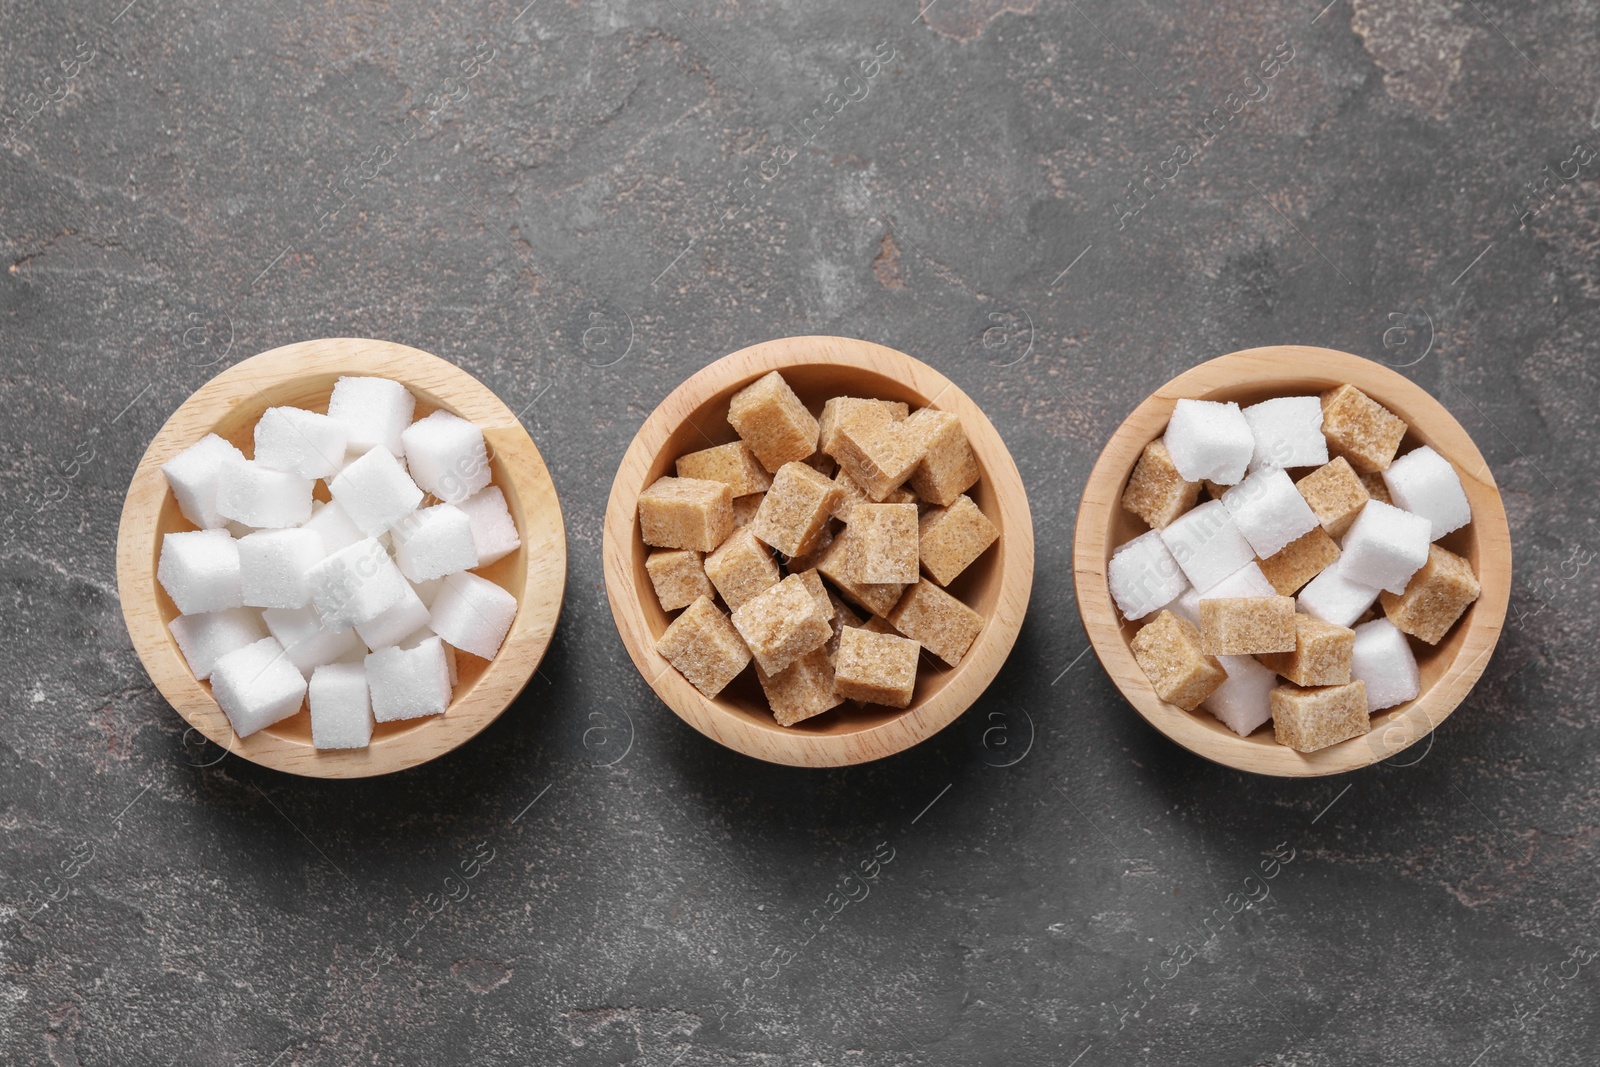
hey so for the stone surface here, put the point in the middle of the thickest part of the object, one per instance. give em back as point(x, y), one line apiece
point(217, 180)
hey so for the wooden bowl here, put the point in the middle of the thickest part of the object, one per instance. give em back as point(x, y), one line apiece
point(302, 375)
point(1449, 668)
point(996, 585)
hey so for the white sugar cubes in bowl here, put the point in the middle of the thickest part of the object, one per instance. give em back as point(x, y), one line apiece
point(405, 582)
point(1292, 561)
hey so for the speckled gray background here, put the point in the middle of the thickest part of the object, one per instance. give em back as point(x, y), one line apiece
point(555, 196)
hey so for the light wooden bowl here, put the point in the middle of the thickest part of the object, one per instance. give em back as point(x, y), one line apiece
point(302, 375)
point(1449, 668)
point(997, 585)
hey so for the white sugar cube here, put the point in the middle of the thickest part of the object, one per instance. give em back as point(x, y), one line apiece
point(1288, 432)
point(1332, 597)
point(375, 491)
point(494, 532)
point(1269, 510)
point(1424, 483)
point(341, 708)
point(210, 635)
point(1187, 606)
point(433, 542)
point(1247, 581)
point(446, 456)
point(1209, 440)
point(1143, 576)
point(407, 683)
point(375, 411)
point(262, 497)
point(300, 442)
point(1243, 702)
point(193, 475)
point(1207, 544)
point(423, 634)
point(356, 584)
point(257, 686)
point(273, 567)
point(330, 522)
point(1385, 546)
point(306, 641)
point(199, 569)
point(1382, 658)
point(426, 591)
point(473, 614)
point(395, 622)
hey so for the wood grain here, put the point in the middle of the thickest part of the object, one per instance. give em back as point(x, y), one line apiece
point(303, 375)
point(998, 585)
point(1449, 669)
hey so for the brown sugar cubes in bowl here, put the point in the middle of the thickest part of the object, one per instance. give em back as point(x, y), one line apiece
point(1299, 538)
point(868, 498)
point(891, 461)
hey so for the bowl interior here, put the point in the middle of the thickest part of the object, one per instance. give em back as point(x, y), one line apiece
point(311, 391)
point(1434, 661)
point(978, 586)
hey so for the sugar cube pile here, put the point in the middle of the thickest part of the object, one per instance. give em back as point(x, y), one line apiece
point(334, 566)
point(1258, 604)
point(761, 541)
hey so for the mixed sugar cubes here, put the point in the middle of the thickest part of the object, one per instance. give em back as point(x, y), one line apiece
point(1257, 599)
point(766, 547)
point(353, 600)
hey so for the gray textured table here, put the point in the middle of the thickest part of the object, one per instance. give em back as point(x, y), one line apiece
point(1059, 205)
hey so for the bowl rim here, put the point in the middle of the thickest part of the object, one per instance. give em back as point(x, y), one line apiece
point(1103, 623)
point(771, 742)
point(472, 707)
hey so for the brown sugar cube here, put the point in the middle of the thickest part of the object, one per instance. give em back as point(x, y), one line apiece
point(886, 543)
point(1156, 491)
point(1336, 494)
point(1213, 490)
point(679, 577)
point(802, 690)
point(851, 494)
point(745, 508)
point(1308, 719)
point(842, 617)
point(783, 623)
point(733, 463)
point(819, 592)
point(1299, 561)
point(795, 509)
point(1434, 598)
point(1321, 653)
point(1376, 487)
point(1361, 429)
point(773, 422)
point(740, 568)
point(838, 566)
point(686, 513)
point(949, 539)
point(1247, 625)
point(937, 621)
point(1168, 651)
point(828, 420)
point(808, 559)
point(879, 625)
point(875, 668)
point(948, 467)
point(705, 648)
point(875, 450)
